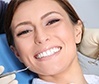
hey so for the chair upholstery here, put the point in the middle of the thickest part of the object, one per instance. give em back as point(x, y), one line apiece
point(11, 63)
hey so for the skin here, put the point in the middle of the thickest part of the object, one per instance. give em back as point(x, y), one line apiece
point(47, 26)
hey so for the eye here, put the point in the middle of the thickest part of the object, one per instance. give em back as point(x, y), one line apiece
point(24, 32)
point(52, 21)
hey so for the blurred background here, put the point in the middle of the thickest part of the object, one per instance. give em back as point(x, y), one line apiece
point(88, 10)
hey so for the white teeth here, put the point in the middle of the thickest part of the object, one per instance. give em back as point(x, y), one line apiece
point(48, 53)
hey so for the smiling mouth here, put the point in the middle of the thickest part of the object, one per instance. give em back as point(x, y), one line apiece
point(48, 53)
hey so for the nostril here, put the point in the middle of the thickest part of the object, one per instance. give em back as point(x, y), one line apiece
point(41, 38)
point(41, 41)
point(47, 39)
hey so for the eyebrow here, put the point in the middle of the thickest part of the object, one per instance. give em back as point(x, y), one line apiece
point(29, 23)
point(23, 23)
point(50, 13)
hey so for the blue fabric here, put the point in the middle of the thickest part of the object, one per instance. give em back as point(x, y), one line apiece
point(10, 62)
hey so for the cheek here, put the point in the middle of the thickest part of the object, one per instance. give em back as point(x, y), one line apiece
point(67, 37)
point(25, 51)
point(23, 46)
point(65, 33)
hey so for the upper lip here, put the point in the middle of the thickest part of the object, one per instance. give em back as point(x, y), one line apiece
point(45, 49)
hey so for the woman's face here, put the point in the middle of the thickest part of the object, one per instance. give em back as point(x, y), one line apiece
point(44, 36)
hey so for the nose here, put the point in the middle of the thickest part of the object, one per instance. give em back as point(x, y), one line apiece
point(41, 37)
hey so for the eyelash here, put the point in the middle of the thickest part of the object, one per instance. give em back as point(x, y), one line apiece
point(49, 23)
point(24, 32)
point(52, 21)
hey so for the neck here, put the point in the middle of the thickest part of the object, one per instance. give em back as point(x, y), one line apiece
point(71, 75)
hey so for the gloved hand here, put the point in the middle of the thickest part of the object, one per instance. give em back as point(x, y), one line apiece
point(10, 79)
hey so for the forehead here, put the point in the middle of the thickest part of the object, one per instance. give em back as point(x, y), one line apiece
point(36, 8)
point(39, 4)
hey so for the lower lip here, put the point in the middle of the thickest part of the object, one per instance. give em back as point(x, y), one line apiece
point(49, 57)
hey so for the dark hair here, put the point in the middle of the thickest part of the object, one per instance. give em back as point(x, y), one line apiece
point(13, 5)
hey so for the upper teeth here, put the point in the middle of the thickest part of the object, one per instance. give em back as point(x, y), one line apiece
point(48, 52)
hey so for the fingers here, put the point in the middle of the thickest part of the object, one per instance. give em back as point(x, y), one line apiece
point(7, 79)
point(1, 69)
point(14, 82)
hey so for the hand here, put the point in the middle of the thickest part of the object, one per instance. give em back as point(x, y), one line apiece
point(10, 79)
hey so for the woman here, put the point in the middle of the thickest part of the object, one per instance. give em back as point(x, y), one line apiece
point(44, 35)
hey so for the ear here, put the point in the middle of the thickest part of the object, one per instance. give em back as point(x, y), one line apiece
point(15, 52)
point(78, 32)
